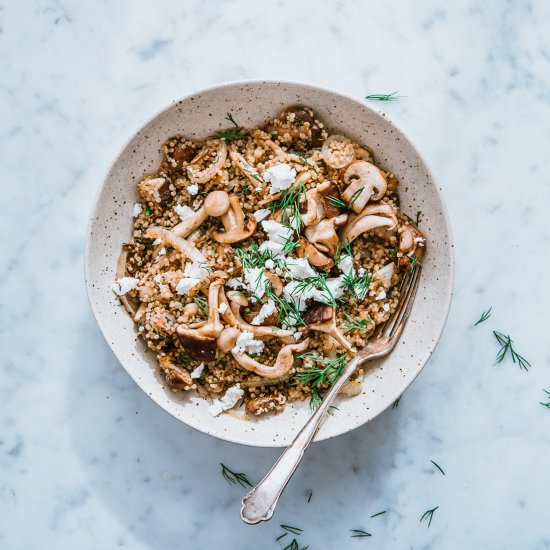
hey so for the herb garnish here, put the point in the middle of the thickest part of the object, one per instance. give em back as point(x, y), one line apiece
point(414, 261)
point(147, 211)
point(354, 323)
point(232, 134)
point(293, 530)
point(484, 316)
point(327, 373)
point(201, 303)
point(379, 513)
point(383, 97)
point(289, 312)
point(339, 203)
point(547, 405)
point(289, 205)
point(234, 477)
point(396, 402)
point(359, 533)
point(437, 466)
point(506, 344)
point(429, 514)
point(315, 400)
point(309, 497)
point(358, 284)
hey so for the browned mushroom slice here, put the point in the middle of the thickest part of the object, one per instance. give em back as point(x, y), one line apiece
point(155, 190)
point(330, 195)
point(264, 404)
point(323, 235)
point(176, 377)
point(259, 331)
point(315, 257)
point(318, 205)
point(365, 182)
point(237, 229)
point(198, 346)
point(322, 317)
point(372, 217)
point(183, 154)
point(412, 244)
point(215, 204)
point(247, 169)
point(282, 365)
point(216, 149)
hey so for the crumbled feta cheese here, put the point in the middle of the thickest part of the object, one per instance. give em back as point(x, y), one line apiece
point(156, 242)
point(265, 311)
point(419, 241)
point(259, 189)
point(183, 211)
point(228, 401)
point(275, 249)
point(162, 252)
point(361, 271)
point(158, 280)
point(246, 343)
point(386, 307)
point(195, 270)
point(281, 177)
point(137, 210)
point(262, 214)
point(222, 308)
point(186, 284)
point(299, 297)
point(269, 264)
point(198, 371)
point(297, 335)
point(345, 265)
point(235, 283)
point(124, 285)
point(277, 232)
point(256, 279)
point(336, 286)
point(381, 295)
point(193, 189)
point(300, 268)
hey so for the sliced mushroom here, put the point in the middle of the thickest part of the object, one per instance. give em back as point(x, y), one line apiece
point(283, 363)
point(201, 176)
point(155, 190)
point(322, 317)
point(412, 243)
point(323, 235)
point(330, 194)
point(372, 217)
point(176, 377)
point(227, 339)
point(259, 331)
point(215, 204)
point(264, 404)
point(365, 182)
point(275, 281)
point(237, 229)
point(186, 249)
point(315, 257)
point(317, 206)
point(247, 169)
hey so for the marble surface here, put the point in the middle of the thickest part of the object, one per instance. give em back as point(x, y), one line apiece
point(87, 461)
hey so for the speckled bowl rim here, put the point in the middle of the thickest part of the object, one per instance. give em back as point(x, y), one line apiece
point(438, 191)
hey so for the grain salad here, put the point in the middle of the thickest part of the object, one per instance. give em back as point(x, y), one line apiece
point(261, 260)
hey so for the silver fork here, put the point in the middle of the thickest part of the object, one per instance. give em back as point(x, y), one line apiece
point(259, 503)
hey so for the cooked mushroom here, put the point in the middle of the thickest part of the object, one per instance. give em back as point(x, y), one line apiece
point(260, 405)
point(247, 169)
point(330, 195)
point(283, 363)
point(183, 154)
point(186, 249)
point(412, 243)
point(228, 338)
point(352, 387)
point(201, 176)
point(237, 229)
point(276, 283)
point(155, 190)
point(365, 182)
point(384, 275)
point(323, 235)
point(215, 204)
point(372, 217)
point(322, 317)
point(317, 206)
point(315, 257)
point(176, 377)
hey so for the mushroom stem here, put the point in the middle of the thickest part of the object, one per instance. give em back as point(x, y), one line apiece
point(322, 317)
point(233, 220)
point(215, 204)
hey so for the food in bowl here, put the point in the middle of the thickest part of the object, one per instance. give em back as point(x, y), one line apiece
point(262, 259)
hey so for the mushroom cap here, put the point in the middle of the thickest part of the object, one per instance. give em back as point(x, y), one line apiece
point(372, 217)
point(323, 235)
point(365, 182)
point(197, 346)
point(228, 338)
point(216, 203)
point(236, 229)
point(315, 257)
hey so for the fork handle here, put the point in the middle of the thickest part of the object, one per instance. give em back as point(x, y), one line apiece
point(259, 503)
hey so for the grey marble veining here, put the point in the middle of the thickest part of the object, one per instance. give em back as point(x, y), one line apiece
point(87, 461)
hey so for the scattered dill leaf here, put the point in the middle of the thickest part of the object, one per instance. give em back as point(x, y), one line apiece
point(327, 372)
point(507, 345)
point(383, 97)
point(414, 262)
point(354, 323)
point(547, 405)
point(396, 402)
point(438, 466)
point(291, 529)
point(232, 134)
point(315, 400)
point(358, 284)
point(309, 497)
point(281, 536)
point(201, 303)
point(234, 477)
point(288, 204)
point(289, 312)
point(484, 316)
point(379, 513)
point(418, 215)
point(428, 515)
point(359, 533)
point(147, 211)
point(184, 358)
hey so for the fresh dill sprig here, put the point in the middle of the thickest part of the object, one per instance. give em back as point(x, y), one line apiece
point(232, 134)
point(438, 466)
point(379, 513)
point(428, 515)
point(339, 203)
point(507, 345)
point(147, 211)
point(396, 402)
point(547, 405)
point(281, 537)
point(315, 400)
point(354, 323)
point(201, 303)
point(359, 533)
point(291, 529)
point(309, 497)
point(318, 281)
point(234, 477)
point(383, 97)
point(288, 204)
point(252, 257)
point(414, 262)
point(318, 376)
point(289, 313)
point(294, 546)
point(357, 284)
point(342, 249)
point(484, 316)
point(184, 358)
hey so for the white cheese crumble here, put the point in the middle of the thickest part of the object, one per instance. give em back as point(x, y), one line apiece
point(162, 252)
point(158, 280)
point(381, 295)
point(137, 210)
point(256, 279)
point(193, 189)
point(247, 344)
point(196, 270)
point(262, 214)
point(281, 177)
point(198, 371)
point(266, 310)
point(386, 307)
point(419, 241)
point(300, 268)
point(277, 232)
point(235, 283)
point(228, 401)
point(222, 308)
point(183, 211)
point(269, 264)
point(156, 242)
point(297, 335)
point(345, 265)
point(186, 284)
point(124, 285)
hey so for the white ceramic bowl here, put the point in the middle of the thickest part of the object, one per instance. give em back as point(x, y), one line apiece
point(252, 103)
